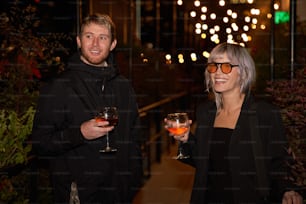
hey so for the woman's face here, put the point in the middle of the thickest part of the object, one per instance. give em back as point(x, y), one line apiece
point(225, 83)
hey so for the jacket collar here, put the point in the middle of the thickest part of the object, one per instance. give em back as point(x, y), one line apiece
point(98, 73)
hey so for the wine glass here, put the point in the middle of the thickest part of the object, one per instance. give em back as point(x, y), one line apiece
point(109, 114)
point(178, 124)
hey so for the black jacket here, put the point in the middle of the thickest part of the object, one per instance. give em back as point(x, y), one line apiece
point(242, 163)
point(63, 106)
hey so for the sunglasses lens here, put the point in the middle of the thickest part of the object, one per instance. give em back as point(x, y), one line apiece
point(226, 68)
point(212, 68)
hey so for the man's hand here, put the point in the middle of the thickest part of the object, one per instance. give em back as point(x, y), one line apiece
point(93, 129)
point(292, 197)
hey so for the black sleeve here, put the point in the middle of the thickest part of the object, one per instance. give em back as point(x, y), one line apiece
point(52, 131)
point(276, 145)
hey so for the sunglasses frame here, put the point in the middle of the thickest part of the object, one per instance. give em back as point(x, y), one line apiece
point(219, 65)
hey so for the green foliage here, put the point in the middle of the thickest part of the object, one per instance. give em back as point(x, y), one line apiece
point(14, 150)
point(14, 131)
point(27, 57)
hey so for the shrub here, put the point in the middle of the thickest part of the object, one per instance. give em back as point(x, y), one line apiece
point(26, 57)
point(290, 96)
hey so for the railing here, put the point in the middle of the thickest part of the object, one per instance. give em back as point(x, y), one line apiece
point(155, 142)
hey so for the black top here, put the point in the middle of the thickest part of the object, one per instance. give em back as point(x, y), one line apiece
point(219, 179)
point(240, 150)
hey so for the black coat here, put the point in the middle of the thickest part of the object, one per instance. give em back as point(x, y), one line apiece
point(242, 163)
point(63, 106)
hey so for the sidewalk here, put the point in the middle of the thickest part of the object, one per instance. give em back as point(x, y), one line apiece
point(170, 182)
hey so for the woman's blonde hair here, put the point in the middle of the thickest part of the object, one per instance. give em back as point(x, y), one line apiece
point(237, 55)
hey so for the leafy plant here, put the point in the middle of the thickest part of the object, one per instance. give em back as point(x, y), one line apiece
point(14, 150)
point(27, 57)
point(14, 131)
point(290, 96)
point(13, 188)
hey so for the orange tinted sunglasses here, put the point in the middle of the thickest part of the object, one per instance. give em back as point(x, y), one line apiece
point(226, 67)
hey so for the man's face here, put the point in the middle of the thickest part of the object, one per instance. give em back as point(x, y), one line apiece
point(95, 43)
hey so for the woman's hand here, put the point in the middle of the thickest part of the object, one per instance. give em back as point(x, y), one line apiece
point(292, 197)
point(183, 137)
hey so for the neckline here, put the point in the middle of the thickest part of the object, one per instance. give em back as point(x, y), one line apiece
point(223, 128)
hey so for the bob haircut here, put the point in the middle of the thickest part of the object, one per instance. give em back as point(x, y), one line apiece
point(237, 55)
point(100, 19)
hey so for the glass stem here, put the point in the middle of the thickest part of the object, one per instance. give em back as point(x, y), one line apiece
point(107, 140)
point(180, 148)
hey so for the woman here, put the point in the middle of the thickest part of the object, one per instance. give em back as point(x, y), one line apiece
point(239, 146)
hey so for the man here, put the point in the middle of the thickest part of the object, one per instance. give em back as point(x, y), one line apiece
point(66, 133)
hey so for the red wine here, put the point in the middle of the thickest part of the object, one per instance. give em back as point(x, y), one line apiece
point(112, 121)
point(99, 119)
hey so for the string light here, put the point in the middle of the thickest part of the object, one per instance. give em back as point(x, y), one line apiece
point(221, 3)
point(197, 3)
point(234, 30)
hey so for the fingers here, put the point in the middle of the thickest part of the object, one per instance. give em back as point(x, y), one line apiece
point(182, 138)
point(93, 129)
point(292, 197)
